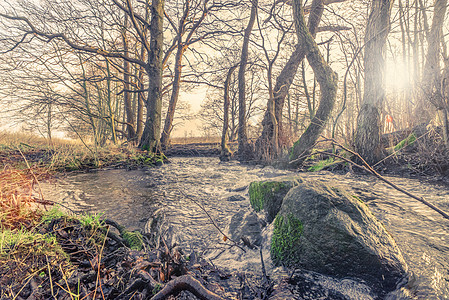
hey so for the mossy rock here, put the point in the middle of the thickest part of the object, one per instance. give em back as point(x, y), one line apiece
point(323, 228)
point(286, 237)
point(268, 195)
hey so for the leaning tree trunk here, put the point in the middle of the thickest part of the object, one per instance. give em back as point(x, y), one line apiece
point(244, 151)
point(367, 137)
point(225, 151)
point(327, 79)
point(152, 130)
point(283, 83)
point(168, 124)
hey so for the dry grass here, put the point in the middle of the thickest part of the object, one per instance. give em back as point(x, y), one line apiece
point(18, 196)
point(66, 155)
point(15, 139)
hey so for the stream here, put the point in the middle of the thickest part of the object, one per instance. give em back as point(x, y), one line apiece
point(132, 197)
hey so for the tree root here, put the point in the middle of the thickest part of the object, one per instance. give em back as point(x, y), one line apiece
point(183, 283)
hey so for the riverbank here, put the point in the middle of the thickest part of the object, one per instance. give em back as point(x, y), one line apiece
point(84, 257)
point(49, 253)
point(21, 151)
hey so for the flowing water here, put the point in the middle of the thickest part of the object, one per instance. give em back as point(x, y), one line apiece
point(133, 197)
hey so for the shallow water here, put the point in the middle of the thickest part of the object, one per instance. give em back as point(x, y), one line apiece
point(132, 197)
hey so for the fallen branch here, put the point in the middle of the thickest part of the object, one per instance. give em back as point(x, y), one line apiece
point(186, 283)
point(365, 166)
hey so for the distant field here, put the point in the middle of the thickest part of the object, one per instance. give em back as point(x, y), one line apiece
point(17, 138)
point(193, 140)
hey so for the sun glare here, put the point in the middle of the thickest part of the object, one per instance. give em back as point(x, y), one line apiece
point(397, 76)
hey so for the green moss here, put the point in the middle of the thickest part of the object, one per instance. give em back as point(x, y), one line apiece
point(262, 192)
point(323, 164)
point(133, 239)
point(405, 142)
point(156, 289)
point(285, 241)
point(291, 155)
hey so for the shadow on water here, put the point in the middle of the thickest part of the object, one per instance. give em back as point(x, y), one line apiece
point(132, 197)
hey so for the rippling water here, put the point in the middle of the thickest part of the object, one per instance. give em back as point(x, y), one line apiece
point(132, 197)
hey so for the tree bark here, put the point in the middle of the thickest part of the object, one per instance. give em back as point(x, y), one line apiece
point(284, 81)
point(225, 151)
point(431, 80)
point(130, 122)
point(140, 85)
point(327, 79)
point(244, 152)
point(151, 134)
point(367, 138)
point(140, 102)
point(168, 124)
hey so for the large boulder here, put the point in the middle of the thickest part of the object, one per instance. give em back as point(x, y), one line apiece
point(268, 195)
point(322, 228)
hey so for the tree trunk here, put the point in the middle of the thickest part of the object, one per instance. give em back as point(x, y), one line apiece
point(284, 81)
point(244, 152)
point(151, 133)
point(367, 138)
point(226, 153)
point(130, 123)
point(168, 124)
point(327, 79)
point(140, 103)
point(432, 71)
point(445, 127)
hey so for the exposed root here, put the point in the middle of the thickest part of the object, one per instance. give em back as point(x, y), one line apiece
point(186, 283)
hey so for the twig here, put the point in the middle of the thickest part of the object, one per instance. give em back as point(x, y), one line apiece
point(49, 276)
point(264, 271)
point(212, 220)
point(66, 283)
point(28, 279)
point(267, 283)
point(368, 168)
point(98, 281)
point(32, 173)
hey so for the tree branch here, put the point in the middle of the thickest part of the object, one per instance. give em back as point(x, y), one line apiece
point(70, 43)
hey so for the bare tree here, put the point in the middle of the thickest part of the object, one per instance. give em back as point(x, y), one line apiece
point(367, 138)
point(29, 25)
point(244, 152)
point(326, 77)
